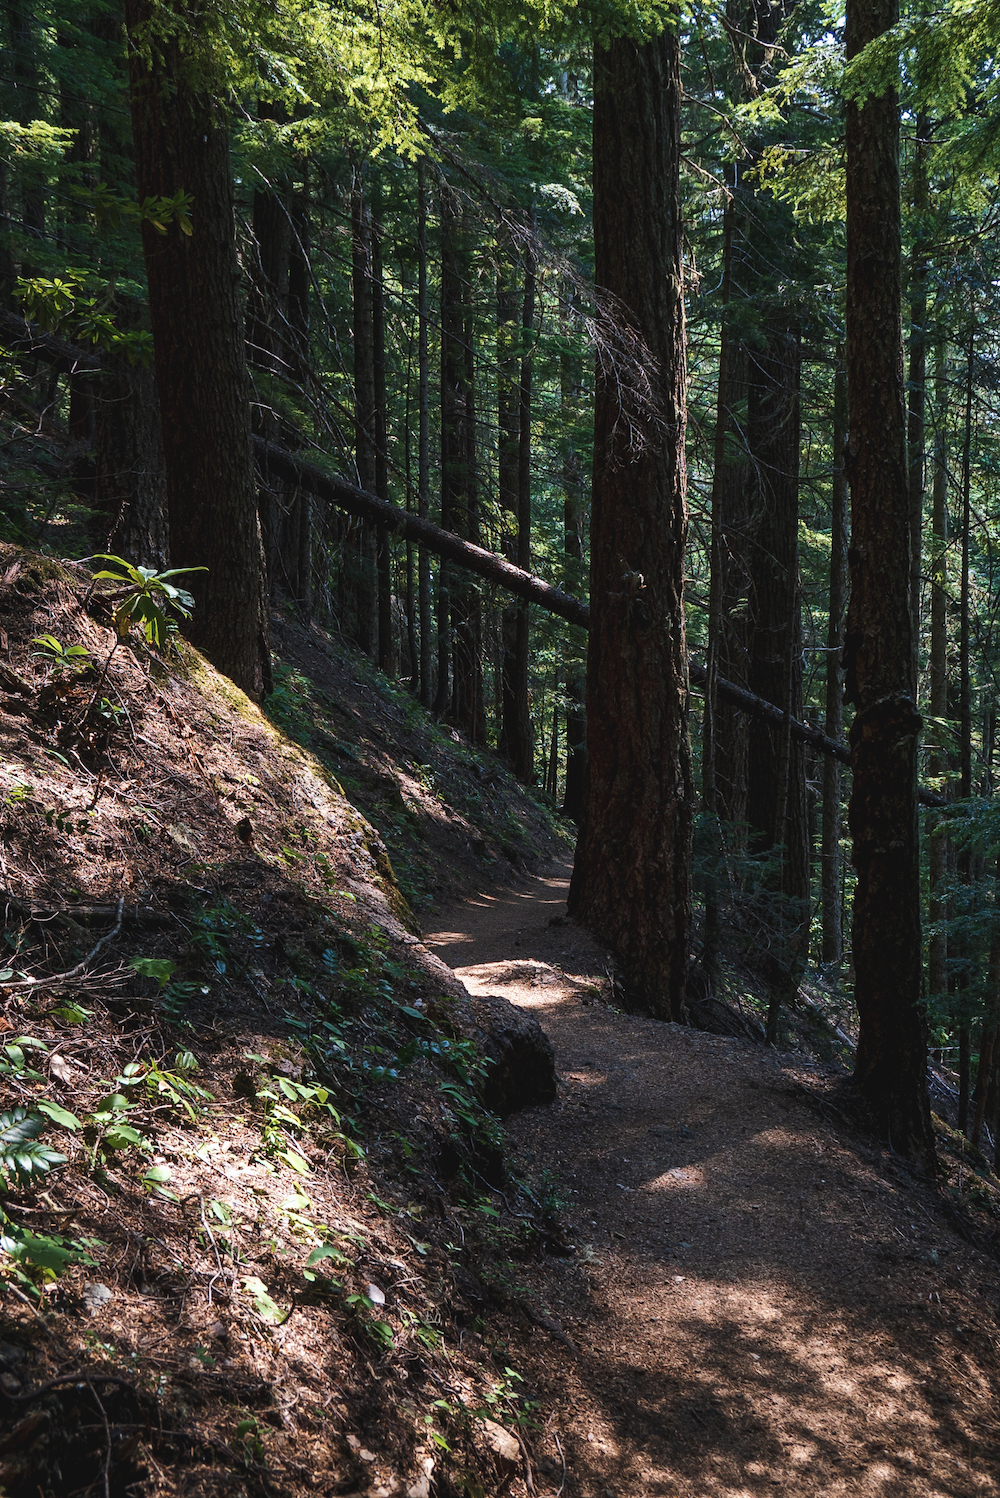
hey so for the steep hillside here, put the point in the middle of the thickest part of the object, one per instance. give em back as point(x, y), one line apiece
point(253, 1191)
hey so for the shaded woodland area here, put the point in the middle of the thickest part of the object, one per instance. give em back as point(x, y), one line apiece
point(620, 298)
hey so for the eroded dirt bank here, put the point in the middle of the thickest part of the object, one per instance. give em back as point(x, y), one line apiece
point(761, 1301)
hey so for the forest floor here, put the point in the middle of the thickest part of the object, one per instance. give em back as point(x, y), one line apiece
point(761, 1301)
point(279, 1247)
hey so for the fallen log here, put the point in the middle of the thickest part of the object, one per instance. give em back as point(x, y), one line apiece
point(21, 338)
point(495, 569)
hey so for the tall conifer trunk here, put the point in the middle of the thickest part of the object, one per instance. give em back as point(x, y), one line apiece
point(938, 849)
point(364, 589)
point(423, 440)
point(570, 383)
point(832, 948)
point(891, 1060)
point(631, 878)
point(181, 145)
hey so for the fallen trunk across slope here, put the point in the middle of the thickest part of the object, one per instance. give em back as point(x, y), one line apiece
point(25, 341)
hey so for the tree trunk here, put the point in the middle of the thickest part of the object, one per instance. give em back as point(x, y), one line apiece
point(386, 655)
point(631, 878)
point(423, 440)
point(459, 511)
point(267, 304)
point(938, 842)
point(362, 537)
point(712, 837)
point(181, 145)
point(916, 383)
point(520, 746)
point(833, 947)
point(130, 498)
point(776, 796)
point(962, 949)
point(570, 384)
point(514, 472)
point(891, 1060)
point(27, 106)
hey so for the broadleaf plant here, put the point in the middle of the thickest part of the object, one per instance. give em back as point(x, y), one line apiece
point(149, 600)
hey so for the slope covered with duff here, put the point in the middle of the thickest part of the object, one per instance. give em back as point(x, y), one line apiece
point(242, 1131)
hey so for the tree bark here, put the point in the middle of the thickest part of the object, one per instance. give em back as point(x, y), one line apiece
point(459, 504)
point(938, 842)
point(130, 498)
point(517, 737)
point(891, 1060)
point(364, 591)
point(181, 145)
point(383, 551)
point(570, 386)
point(632, 875)
point(776, 795)
point(833, 946)
point(917, 380)
point(962, 948)
point(423, 441)
point(514, 473)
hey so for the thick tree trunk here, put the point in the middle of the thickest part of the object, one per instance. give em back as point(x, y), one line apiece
point(130, 499)
point(181, 145)
point(917, 380)
point(891, 1061)
point(833, 947)
point(570, 386)
point(632, 876)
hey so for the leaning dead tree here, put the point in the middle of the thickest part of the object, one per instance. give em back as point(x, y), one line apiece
point(280, 463)
point(24, 340)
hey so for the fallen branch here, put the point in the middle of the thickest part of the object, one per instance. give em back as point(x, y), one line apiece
point(132, 915)
point(58, 979)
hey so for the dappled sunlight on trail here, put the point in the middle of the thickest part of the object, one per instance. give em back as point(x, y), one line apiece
point(760, 1301)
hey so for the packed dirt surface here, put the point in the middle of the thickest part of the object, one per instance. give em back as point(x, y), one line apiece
point(761, 1300)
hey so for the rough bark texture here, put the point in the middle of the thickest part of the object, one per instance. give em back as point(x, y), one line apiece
point(181, 145)
point(631, 878)
point(570, 389)
point(916, 384)
point(130, 494)
point(891, 1058)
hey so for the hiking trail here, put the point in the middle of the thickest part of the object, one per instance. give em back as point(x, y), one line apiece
point(761, 1300)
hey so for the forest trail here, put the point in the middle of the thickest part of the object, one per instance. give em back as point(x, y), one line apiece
point(760, 1302)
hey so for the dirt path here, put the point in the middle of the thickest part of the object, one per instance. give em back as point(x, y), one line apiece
point(760, 1303)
